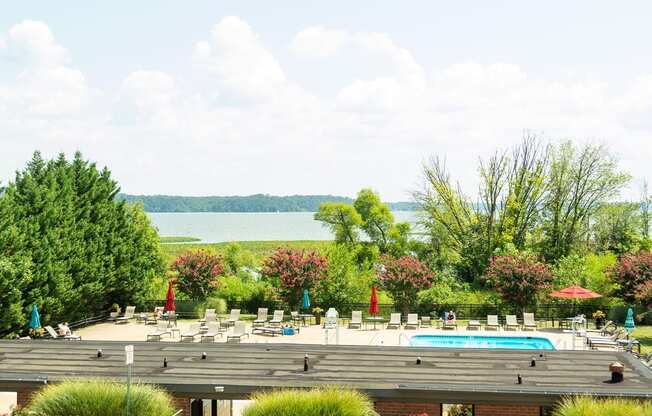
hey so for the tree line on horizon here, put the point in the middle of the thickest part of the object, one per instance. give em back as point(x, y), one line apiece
point(249, 203)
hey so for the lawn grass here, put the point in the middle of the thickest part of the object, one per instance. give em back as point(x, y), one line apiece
point(260, 249)
point(644, 335)
point(168, 240)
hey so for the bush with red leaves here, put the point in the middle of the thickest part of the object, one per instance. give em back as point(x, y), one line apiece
point(632, 272)
point(197, 273)
point(518, 279)
point(403, 278)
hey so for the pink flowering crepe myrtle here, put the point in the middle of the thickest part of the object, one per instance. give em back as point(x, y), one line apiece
point(197, 273)
point(403, 278)
point(293, 271)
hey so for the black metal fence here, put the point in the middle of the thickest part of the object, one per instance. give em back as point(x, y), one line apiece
point(548, 311)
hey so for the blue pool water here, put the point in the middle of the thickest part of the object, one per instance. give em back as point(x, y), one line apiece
point(479, 341)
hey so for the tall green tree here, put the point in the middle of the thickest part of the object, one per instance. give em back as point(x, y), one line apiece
point(343, 220)
point(580, 180)
point(85, 249)
point(377, 219)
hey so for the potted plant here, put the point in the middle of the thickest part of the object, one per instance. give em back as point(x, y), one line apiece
point(317, 311)
point(599, 316)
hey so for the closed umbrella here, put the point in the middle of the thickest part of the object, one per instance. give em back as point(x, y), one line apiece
point(35, 320)
point(306, 299)
point(629, 321)
point(373, 302)
point(169, 298)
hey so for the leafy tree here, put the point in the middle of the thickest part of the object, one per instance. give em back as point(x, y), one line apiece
point(518, 279)
point(377, 219)
point(343, 220)
point(84, 249)
point(644, 294)
point(616, 227)
point(292, 271)
point(403, 278)
point(631, 272)
point(345, 282)
point(580, 180)
point(12, 279)
point(197, 273)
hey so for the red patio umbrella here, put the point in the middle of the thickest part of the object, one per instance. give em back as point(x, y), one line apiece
point(373, 302)
point(575, 292)
point(169, 299)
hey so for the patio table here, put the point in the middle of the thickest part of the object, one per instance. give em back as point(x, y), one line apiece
point(374, 320)
point(305, 317)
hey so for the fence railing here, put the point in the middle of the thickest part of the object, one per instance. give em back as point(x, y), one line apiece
point(547, 311)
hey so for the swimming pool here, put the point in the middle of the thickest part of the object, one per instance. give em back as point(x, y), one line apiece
point(480, 341)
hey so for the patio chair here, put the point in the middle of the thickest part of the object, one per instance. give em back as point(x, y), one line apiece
point(161, 329)
point(528, 321)
point(212, 331)
point(606, 341)
point(277, 319)
point(261, 319)
point(53, 334)
point(511, 322)
point(239, 331)
point(412, 321)
point(234, 317)
point(492, 322)
point(129, 314)
point(394, 321)
point(356, 320)
point(474, 325)
point(155, 316)
point(295, 318)
point(425, 322)
point(190, 335)
point(208, 314)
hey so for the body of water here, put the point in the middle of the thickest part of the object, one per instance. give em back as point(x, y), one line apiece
point(216, 227)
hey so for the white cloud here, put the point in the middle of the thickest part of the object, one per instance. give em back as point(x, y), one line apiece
point(239, 61)
point(319, 42)
point(33, 41)
point(241, 124)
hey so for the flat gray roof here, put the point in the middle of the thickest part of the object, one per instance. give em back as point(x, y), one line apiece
point(390, 373)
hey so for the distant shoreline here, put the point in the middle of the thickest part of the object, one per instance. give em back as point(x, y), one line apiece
point(259, 204)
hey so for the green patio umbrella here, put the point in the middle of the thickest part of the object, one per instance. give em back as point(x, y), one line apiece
point(35, 320)
point(306, 299)
point(629, 321)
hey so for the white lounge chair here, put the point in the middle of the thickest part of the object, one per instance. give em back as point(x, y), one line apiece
point(239, 331)
point(234, 317)
point(474, 325)
point(277, 319)
point(529, 322)
point(261, 319)
point(412, 321)
point(190, 335)
point(394, 321)
point(208, 314)
point(356, 320)
point(129, 314)
point(155, 316)
point(213, 330)
point(54, 334)
point(296, 319)
point(492, 322)
point(161, 329)
point(511, 322)
point(426, 322)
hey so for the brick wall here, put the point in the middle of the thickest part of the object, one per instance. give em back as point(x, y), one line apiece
point(23, 398)
point(506, 410)
point(183, 403)
point(386, 408)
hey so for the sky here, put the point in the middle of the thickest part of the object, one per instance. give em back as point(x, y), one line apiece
point(318, 97)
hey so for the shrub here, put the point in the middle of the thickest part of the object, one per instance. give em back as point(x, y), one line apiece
point(292, 271)
point(218, 304)
point(403, 278)
point(345, 282)
point(587, 406)
point(518, 279)
point(197, 273)
point(99, 398)
point(632, 271)
point(329, 401)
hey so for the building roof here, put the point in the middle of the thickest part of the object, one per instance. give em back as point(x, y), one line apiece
point(444, 375)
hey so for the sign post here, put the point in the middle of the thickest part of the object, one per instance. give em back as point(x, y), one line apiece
point(129, 361)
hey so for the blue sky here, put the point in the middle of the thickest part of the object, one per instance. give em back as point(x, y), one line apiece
point(317, 97)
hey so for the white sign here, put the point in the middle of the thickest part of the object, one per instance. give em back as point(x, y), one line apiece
point(129, 354)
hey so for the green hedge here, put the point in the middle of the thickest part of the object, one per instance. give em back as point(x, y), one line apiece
point(327, 401)
point(99, 398)
point(587, 406)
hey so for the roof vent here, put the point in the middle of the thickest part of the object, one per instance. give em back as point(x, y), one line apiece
point(616, 369)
